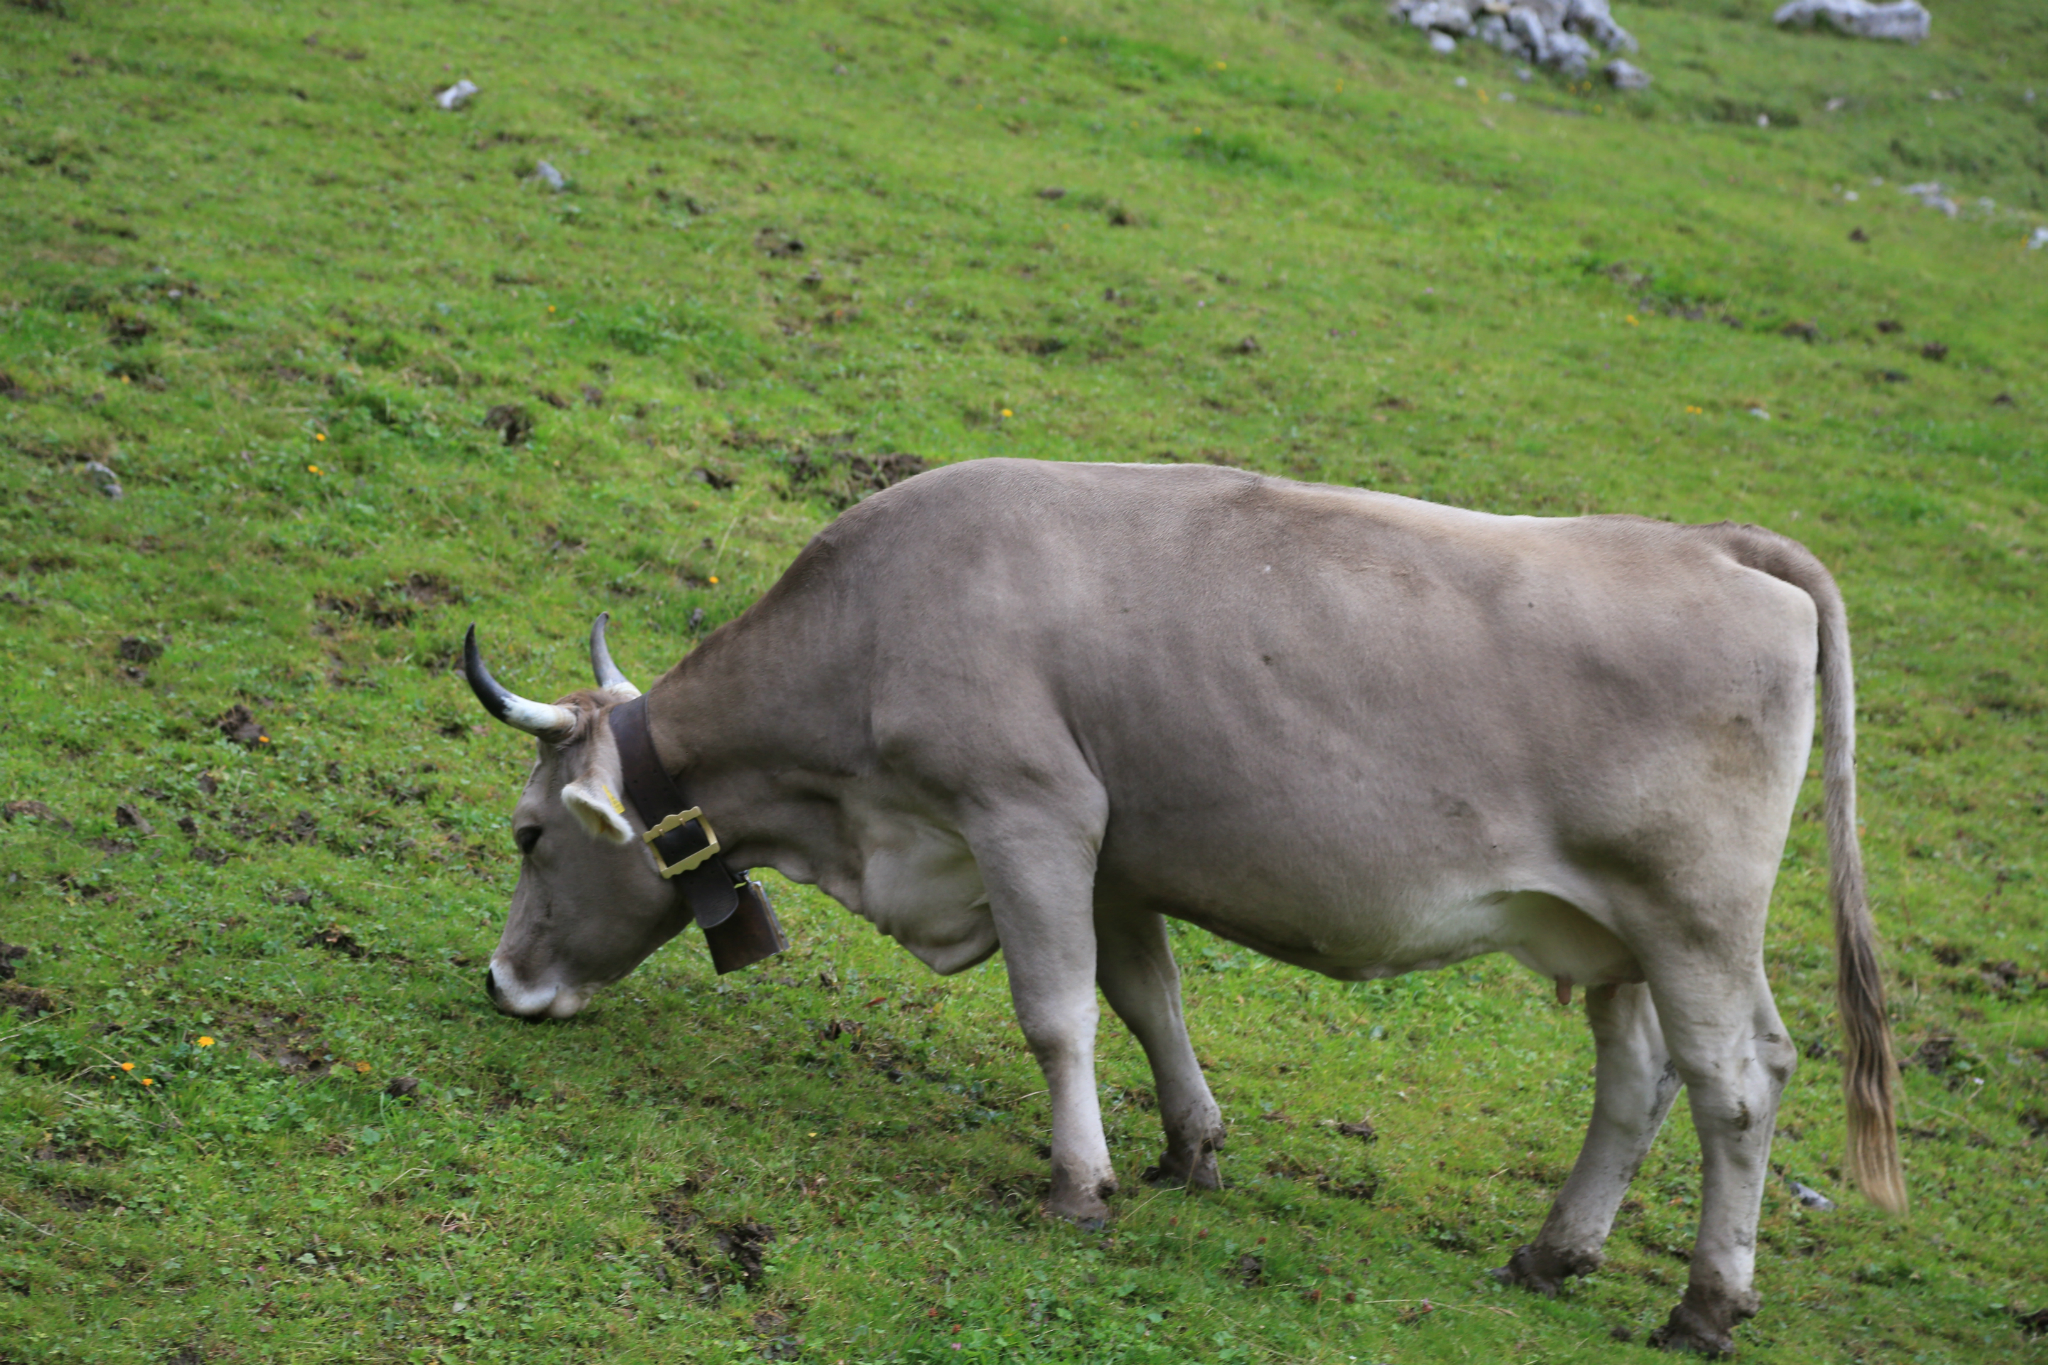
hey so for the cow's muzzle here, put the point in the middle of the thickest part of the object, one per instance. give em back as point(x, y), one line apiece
point(531, 1002)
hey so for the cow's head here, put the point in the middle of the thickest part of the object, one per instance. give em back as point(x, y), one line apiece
point(590, 904)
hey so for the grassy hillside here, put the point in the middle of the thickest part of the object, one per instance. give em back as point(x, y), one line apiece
point(364, 378)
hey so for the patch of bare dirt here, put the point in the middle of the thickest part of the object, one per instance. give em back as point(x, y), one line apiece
point(33, 810)
point(30, 1001)
point(241, 726)
point(335, 940)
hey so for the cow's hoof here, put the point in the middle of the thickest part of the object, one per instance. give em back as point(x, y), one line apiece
point(1544, 1271)
point(1184, 1170)
point(1703, 1326)
point(1085, 1206)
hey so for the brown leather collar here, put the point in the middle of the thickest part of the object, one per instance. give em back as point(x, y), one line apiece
point(739, 925)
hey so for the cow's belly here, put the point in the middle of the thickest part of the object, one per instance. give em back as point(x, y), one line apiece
point(1546, 934)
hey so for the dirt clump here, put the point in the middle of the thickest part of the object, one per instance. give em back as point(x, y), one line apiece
point(512, 421)
point(30, 1001)
point(1364, 1190)
point(239, 725)
point(335, 940)
point(34, 810)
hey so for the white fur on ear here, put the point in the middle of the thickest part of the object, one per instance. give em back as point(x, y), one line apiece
point(590, 800)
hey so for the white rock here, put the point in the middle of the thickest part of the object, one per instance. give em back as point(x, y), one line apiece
point(1904, 21)
point(1810, 1197)
point(2038, 240)
point(1625, 76)
point(107, 479)
point(1930, 195)
point(550, 177)
point(1551, 33)
point(1591, 18)
point(456, 95)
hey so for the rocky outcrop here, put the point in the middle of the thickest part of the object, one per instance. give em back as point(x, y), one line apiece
point(1559, 34)
point(1905, 21)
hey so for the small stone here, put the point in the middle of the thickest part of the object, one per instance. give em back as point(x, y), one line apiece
point(403, 1087)
point(456, 95)
point(109, 482)
point(1442, 44)
point(1810, 1197)
point(128, 817)
point(1625, 75)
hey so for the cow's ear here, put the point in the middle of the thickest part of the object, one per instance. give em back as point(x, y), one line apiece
point(592, 801)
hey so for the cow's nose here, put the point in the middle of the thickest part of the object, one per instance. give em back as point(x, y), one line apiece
point(491, 985)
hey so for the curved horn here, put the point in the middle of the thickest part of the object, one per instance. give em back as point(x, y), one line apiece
point(542, 719)
point(608, 675)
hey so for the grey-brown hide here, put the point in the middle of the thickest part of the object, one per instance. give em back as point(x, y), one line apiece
point(1046, 706)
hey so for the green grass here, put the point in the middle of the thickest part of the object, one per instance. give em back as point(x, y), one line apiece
point(248, 266)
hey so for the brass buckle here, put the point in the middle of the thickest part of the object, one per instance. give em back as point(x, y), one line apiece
point(677, 821)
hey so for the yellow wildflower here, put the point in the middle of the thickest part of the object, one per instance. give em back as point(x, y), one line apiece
point(205, 1041)
point(313, 469)
point(147, 1081)
point(127, 1066)
point(713, 579)
point(320, 436)
point(1006, 412)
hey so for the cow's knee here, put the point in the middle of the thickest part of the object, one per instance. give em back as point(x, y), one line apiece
point(1778, 1057)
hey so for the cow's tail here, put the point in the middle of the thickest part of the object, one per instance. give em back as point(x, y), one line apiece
point(1868, 1068)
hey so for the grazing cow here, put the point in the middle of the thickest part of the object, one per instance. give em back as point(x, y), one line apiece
point(1040, 707)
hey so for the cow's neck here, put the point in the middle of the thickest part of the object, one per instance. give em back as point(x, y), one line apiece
point(766, 743)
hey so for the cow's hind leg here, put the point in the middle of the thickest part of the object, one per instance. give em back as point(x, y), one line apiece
point(1135, 968)
point(1634, 1083)
point(1730, 1047)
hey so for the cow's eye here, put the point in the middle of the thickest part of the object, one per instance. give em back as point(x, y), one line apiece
point(526, 838)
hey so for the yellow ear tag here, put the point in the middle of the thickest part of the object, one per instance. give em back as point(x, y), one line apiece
point(613, 799)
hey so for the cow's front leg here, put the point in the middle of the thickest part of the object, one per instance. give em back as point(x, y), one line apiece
point(1135, 968)
point(1041, 892)
point(1634, 1083)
